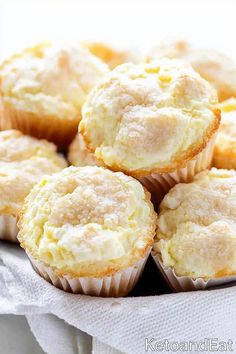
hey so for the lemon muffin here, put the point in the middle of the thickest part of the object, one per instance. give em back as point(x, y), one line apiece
point(113, 55)
point(212, 65)
point(79, 155)
point(23, 161)
point(196, 235)
point(153, 121)
point(43, 89)
point(88, 230)
point(225, 147)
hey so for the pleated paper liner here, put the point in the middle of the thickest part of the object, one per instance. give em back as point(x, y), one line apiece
point(159, 184)
point(116, 285)
point(186, 283)
point(54, 129)
point(8, 228)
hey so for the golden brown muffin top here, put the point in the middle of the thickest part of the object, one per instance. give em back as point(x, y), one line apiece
point(149, 118)
point(87, 221)
point(197, 226)
point(214, 66)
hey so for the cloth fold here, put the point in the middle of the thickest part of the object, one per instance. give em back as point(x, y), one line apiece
point(55, 336)
point(122, 324)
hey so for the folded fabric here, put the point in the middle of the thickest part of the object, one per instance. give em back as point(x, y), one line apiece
point(125, 324)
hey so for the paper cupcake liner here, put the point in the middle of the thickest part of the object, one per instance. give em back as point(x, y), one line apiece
point(8, 228)
point(186, 283)
point(159, 184)
point(116, 285)
point(59, 131)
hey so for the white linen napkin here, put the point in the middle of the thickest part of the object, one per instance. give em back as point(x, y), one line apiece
point(121, 324)
point(55, 336)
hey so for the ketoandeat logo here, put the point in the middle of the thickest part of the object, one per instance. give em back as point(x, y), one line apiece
point(205, 345)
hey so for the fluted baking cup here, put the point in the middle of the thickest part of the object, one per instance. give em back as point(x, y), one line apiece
point(8, 228)
point(186, 283)
point(159, 184)
point(115, 285)
point(59, 131)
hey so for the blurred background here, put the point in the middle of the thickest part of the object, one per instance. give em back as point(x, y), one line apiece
point(136, 22)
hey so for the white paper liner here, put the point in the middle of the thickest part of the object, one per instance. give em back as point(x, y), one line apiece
point(186, 283)
point(59, 131)
point(8, 228)
point(116, 285)
point(158, 184)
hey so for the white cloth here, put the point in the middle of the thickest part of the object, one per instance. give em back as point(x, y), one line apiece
point(122, 324)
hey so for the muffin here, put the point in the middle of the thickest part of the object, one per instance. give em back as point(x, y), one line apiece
point(195, 246)
point(43, 89)
point(113, 55)
point(79, 155)
point(225, 147)
point(153, 121)
point(212, 65)
point(23, 162)
point(88, 230)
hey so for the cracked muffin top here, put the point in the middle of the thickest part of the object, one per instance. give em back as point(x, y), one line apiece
point(197, 228)
point(50, 80)
point(149, 117)
point(87, 221)
point(214, 66)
